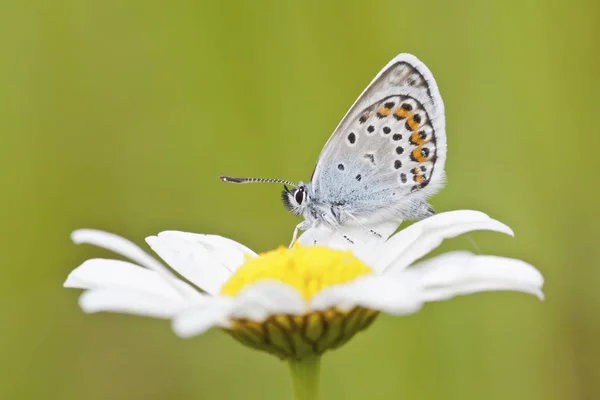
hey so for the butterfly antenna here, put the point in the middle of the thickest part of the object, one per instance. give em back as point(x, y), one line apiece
point(232, 179)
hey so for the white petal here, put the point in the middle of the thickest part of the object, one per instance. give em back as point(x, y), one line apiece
point(321, 236)
point(121, 246)
point(396, 296)
point(445, 293)
point(459, 273)
point(101, 273)
point(198, 319)
point(129, 302)
point(225, 243)
point(384, 228)
point(417, 240)
point(362, 242)
point(256, 302)
point(208, 261)
point(267, 297)
point(216, 243)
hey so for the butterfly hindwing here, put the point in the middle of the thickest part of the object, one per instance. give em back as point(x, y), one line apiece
point(388, 152)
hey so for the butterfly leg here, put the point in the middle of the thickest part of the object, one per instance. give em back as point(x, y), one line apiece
point(295, 235)
point(337, 230)
point(304, 225)
point(333, 223)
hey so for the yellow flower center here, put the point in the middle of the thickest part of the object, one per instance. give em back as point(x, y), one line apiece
point(307, 269)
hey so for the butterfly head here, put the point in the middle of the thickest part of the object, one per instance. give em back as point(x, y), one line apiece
point(295, 199)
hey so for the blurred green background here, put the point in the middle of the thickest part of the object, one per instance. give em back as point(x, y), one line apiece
point(120, 116)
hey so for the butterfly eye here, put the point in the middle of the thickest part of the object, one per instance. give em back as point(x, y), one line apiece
point(299, 196)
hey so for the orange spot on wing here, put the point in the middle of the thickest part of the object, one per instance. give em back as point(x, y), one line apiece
point(383, 112)
point(412, 123)
point(402, 113)
point(416, 139)
point(417, 156)
point(417, 175)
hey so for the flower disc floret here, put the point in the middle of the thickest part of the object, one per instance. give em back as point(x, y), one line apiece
point(307, 269)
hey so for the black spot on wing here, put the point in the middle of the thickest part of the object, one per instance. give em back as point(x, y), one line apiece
point(352, 137)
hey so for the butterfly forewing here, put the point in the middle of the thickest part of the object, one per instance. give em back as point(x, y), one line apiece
point(390, 147)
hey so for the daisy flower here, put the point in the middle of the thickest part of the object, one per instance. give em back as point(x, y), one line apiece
point(298, 302)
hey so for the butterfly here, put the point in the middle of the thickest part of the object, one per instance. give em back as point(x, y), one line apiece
point(382, 162)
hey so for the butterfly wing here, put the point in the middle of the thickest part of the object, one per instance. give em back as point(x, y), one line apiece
point(388, 152)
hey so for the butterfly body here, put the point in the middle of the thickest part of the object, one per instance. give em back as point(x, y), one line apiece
point(384, 159)
point(350, 206)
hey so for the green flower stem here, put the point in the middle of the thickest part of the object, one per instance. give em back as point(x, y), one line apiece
point(305, 378)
